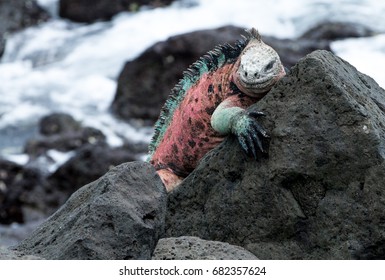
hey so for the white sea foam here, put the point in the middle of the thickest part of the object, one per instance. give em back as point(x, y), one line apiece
point(366, 54)
point(58, 158)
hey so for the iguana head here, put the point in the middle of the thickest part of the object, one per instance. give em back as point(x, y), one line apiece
point(259, 67)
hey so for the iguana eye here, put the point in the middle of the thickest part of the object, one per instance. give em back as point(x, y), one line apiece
point(269, 66)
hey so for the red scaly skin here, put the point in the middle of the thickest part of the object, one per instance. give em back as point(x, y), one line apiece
point(192, 136)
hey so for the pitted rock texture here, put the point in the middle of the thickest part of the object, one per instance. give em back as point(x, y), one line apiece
point(194, 248)
point(7, 254)
point(119, 216)
point(319, 194)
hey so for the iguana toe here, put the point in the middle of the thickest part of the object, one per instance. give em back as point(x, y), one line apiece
point(250, 133)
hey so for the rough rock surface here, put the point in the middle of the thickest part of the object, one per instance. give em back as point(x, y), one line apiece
point(319, 194)
point(93, 10)
point(119, 216)
point(194, 248)
point(155, 72)
point(6, 254)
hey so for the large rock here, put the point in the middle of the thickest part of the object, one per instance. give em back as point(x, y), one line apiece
point(319, 194)
point(119, 216)
point(93, 10)
point(194, 248)
point(156, 71)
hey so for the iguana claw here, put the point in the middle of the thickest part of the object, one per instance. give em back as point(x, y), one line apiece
point(250, 133)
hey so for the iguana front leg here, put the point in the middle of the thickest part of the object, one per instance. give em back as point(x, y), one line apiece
point(230, 117)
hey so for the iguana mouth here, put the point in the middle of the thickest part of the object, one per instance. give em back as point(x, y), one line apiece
point(259, 85)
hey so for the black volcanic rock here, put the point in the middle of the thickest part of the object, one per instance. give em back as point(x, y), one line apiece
point(119, 216)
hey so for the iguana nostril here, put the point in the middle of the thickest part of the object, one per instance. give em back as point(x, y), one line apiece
point(248, 75)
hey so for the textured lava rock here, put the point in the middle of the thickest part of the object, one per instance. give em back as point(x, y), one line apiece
point(194, 248)
point(6, 254)
point(319, 194)
point(119, 216)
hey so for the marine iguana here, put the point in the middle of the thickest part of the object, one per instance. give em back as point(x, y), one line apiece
point(210, 102)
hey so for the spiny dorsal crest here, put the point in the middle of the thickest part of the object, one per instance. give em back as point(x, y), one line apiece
point(252, 34)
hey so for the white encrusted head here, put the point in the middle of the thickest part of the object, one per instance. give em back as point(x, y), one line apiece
point(259, 67)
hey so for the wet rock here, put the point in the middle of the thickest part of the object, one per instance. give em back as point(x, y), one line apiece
point(58, 123)
point(155, 72)
point(93, 10)
point(119, 216)
point(194, 248)
point(63, 133)
point(331, 31)
point(319, 194)
point(18, 14)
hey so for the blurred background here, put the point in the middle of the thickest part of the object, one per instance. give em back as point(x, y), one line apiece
point(82, 81)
